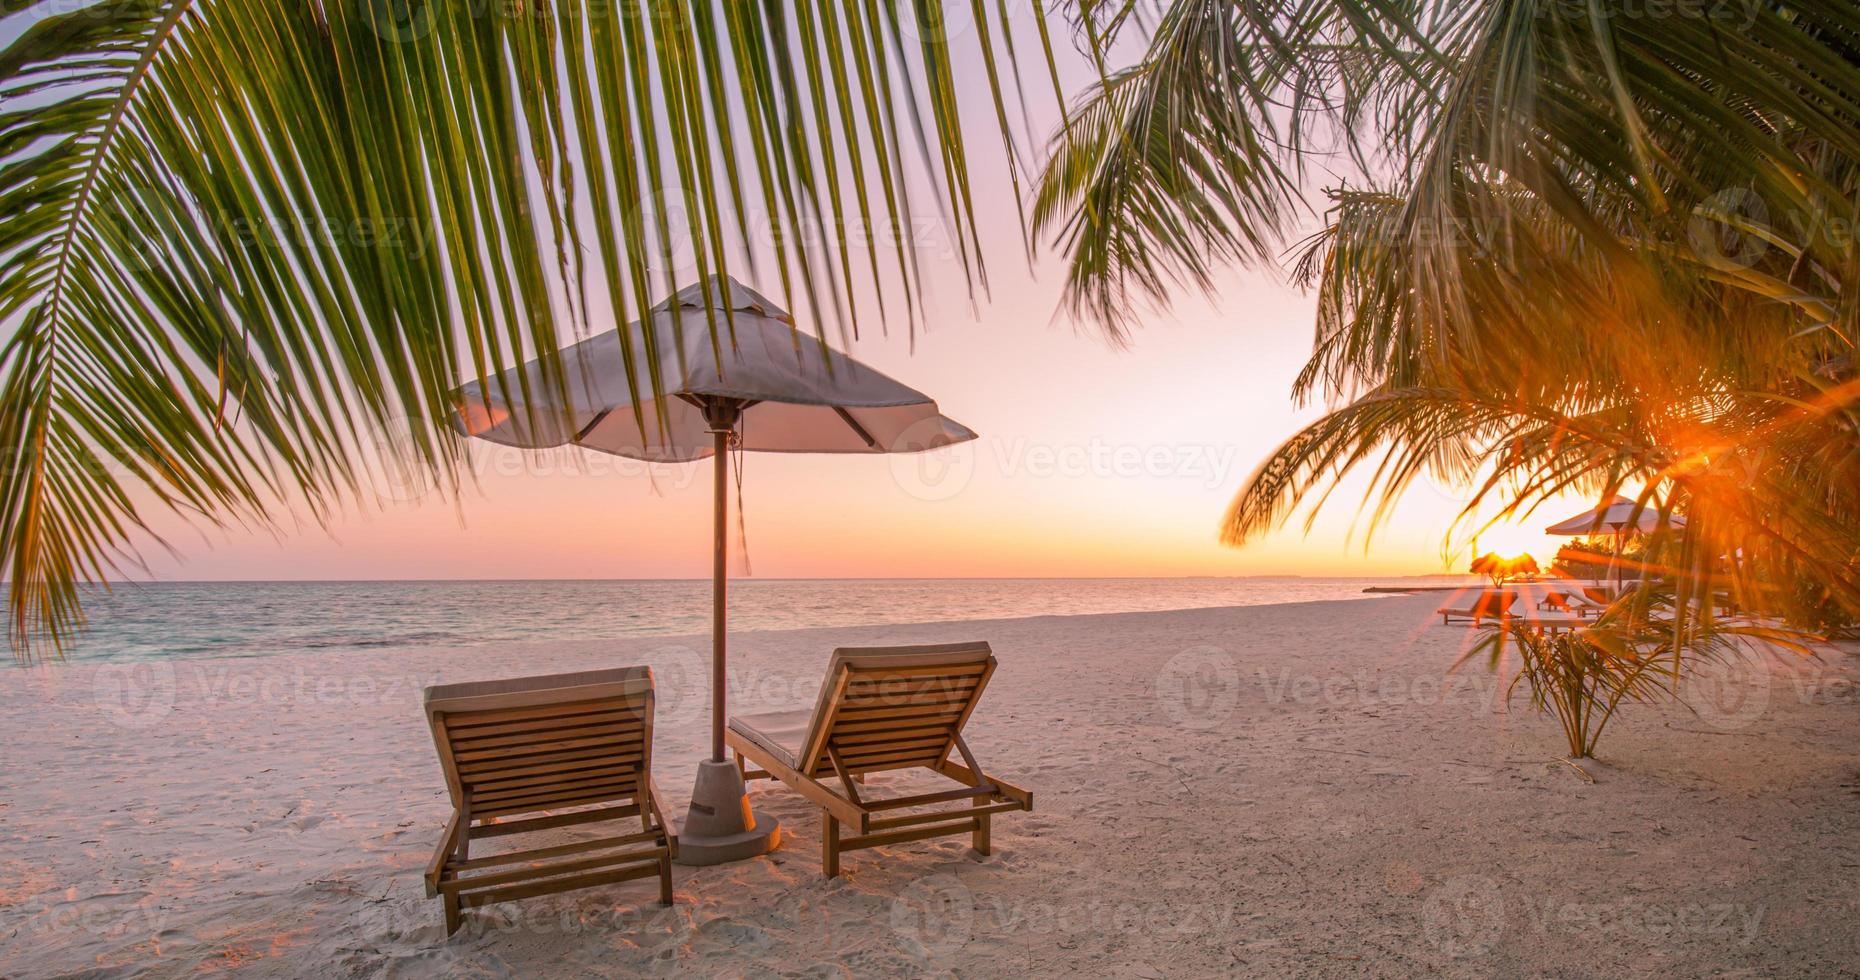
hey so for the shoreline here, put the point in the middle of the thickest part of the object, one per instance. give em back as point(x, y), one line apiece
point(699, 630)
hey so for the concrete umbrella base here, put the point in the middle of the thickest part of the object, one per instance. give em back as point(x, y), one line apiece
point(720, 827)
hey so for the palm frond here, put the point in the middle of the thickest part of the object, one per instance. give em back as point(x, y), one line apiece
point(248, 241)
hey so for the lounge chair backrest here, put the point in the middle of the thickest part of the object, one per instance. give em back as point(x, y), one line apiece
point(1494, 602)
point(893, 707)
point(539, 743)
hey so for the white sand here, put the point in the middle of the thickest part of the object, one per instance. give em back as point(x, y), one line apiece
point(1272, 790)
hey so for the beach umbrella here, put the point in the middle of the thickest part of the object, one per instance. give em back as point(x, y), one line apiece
point(1617, 517)
point(763, 386)
point(1620, 517)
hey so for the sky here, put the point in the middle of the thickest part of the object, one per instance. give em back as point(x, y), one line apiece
point(1092, 461)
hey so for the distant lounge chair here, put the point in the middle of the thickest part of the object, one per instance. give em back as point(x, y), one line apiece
point(514, 748)
point(880, 709)
point(1491, 604)
point(1572, 602)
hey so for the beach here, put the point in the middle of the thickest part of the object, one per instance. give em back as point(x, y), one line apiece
point(1284, 789)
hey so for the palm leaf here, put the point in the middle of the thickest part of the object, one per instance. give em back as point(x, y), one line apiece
point(253, 244)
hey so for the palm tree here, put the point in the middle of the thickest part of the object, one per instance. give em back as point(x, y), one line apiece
point(242, 237)
point(1573, 246)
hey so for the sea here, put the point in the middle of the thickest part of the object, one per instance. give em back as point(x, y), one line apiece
point(238, 619)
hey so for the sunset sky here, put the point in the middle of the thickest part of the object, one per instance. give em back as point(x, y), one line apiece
point(1092, 461)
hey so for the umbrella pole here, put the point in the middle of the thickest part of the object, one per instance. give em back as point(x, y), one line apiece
point(720, 825)
point(720, 581)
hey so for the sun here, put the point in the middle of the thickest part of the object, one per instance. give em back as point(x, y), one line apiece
point(1511, 540)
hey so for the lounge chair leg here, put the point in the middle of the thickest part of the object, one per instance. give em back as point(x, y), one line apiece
point(453, 918)
point(665, 879)
point(830, 846)
point(978, 838)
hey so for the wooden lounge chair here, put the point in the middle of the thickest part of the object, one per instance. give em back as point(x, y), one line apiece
point(881, 709)
point(512, 749)
point(1574, 603)
point(1491, 604)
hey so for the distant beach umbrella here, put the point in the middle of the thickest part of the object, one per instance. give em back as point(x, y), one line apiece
point(1621, 518)
point(1617, 517)
point(771, 388)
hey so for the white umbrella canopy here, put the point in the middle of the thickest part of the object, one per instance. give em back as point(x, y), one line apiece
point(796, 396)
point(1615, 518)
point(1621, 517)
point(769, 388)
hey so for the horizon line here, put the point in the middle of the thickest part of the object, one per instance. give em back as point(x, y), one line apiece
point(776, 578)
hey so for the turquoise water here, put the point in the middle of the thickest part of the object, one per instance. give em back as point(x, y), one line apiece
point(224, 619)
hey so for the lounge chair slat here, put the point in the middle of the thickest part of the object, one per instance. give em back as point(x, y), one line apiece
point(554, 821)
point(480, 768)
point(481, 718)
point(531, 806)
point(539, 853)
point(919, 756)
point(906, 686)
point(527, 748)
point(544, 724)
point(550, 870)
point(852, 717)
point(863, 675)
point(618, 730)
point(569, 777)
point(898, 742)
point(595, 759)
point(966, 825)
point(504, 797)
point(517, 892)
point(912, 819)
point(940, 697)
point(842, 739)
point(924, 799)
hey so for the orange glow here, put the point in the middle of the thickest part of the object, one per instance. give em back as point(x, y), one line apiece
point(1092, 461)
